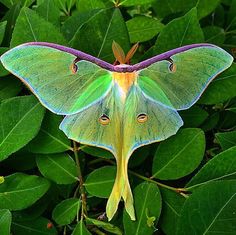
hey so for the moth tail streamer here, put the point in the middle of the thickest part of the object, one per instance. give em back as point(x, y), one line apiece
point(121, 189)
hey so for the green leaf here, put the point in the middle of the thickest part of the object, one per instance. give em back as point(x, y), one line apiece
point(7, 3)
point(38, 226)
point(11, 17)
point(81, 229)
point(147, 204)
point(20, 191)
point(129, 3)
point(214, 34)
point(227, 123)
point(9, 87)
point(10, 3)
point(97, 152)
point(179, 32)
point(74, 23)
point(49, 11)
point(143, 28)
point(194, 116)
point(50, 138)
point(205, 7)
point(38, 208)
point(17, 115)
point(2, 30)
point(164, 8)
point(219, 16)
point(210, 210)
point(172, 203)
point(222, 88)
point(184, 152)
point(60, 168)
point(99, 183)
point(226, 139)
point(3, 71)
point(65, 212)
point(106, 226)
point(65, 6)
point(88, 5)
point(231, 19)
point(31, 27)
point(5, 222)
point(221, 167)
point(96, 35)
point(210, 122)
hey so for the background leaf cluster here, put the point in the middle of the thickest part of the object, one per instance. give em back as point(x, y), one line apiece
point(184, 185)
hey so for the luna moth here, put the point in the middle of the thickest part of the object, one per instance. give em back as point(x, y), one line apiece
point(116, 107)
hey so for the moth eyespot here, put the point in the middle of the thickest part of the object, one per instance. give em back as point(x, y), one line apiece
point(104, 119)
point(74, 68)
point(142, 117)
point(172, 67)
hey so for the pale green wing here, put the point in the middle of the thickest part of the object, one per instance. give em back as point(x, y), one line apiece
point(185, 76)
point(161, 121)
point(85, 127)
point(62, 84)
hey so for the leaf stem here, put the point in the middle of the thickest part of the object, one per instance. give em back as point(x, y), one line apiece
point(97, 231)
point(181, 191)
point(64, 231)
point(231, 32)
point(81, 182)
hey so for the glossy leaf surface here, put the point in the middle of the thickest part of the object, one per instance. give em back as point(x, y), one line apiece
point(213, 207)
point(65, 212)
point(81, 229)
point(20, 191)
point(34, 28)
point(17, 114)
point(5, 221)
point(99, 182)
point(184, 152)
point(143, 28)
point(49, 139)
point(60, 168)
point(221, 167)
point(181, 31)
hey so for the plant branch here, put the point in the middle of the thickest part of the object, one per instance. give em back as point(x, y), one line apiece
point(81, 182)
point(181, 191)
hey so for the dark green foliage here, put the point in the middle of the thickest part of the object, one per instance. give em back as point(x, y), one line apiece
point(183, 185)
